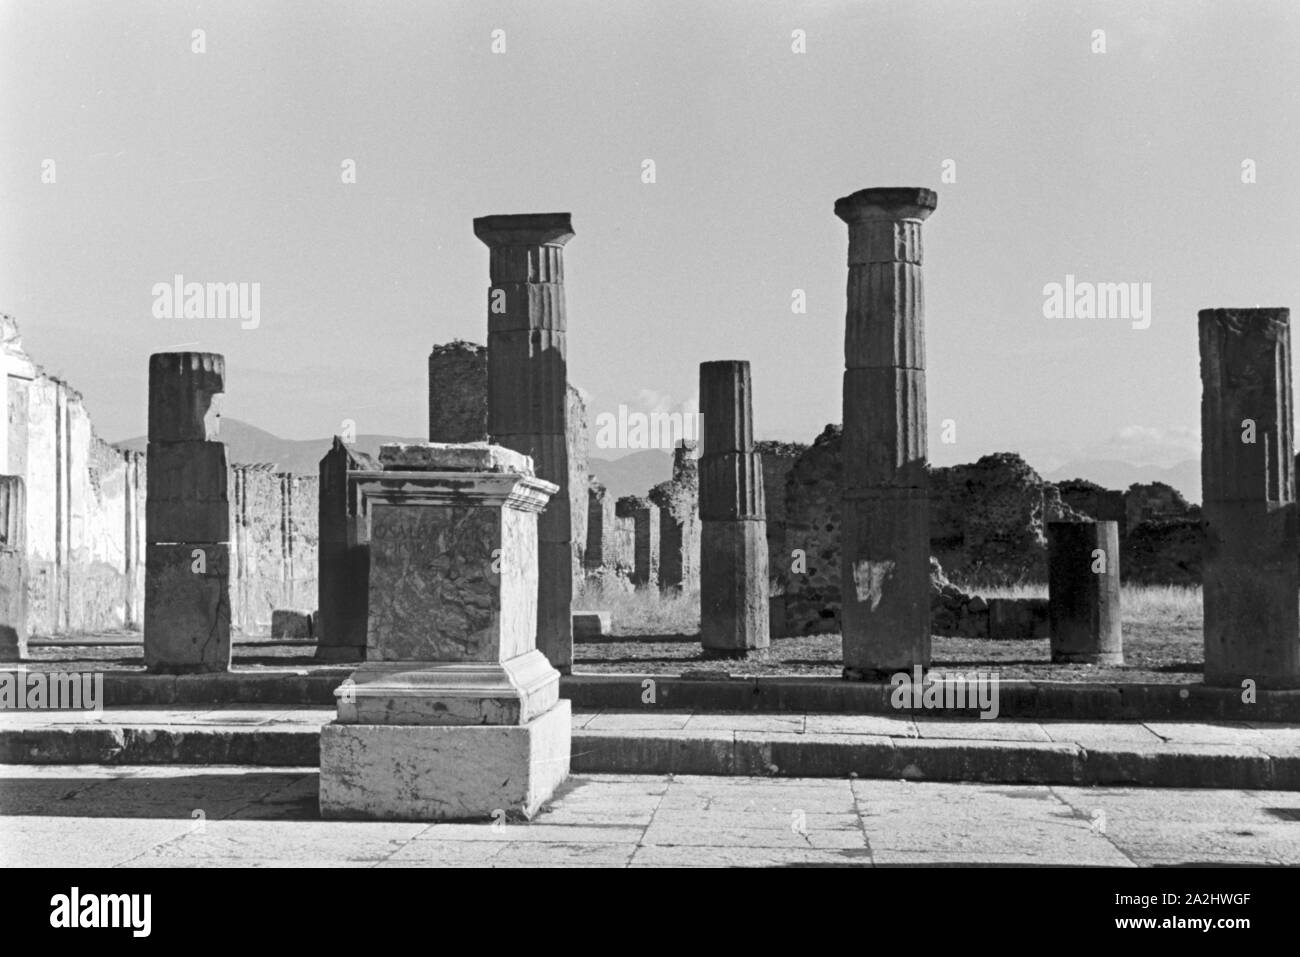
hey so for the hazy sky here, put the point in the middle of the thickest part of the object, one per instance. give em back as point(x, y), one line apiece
point(1122, 166)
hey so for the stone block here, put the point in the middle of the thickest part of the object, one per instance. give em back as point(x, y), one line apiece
point(442, 457)
point(550, 457)
point(466, 574)
point(185, 393)
point(733, 587)
point(187, 608)
point(591, 625)
point(884, 444)
point(294, 625)
point(885, 582)
point(1251, 591)
point(448, 773)
point(187, 496)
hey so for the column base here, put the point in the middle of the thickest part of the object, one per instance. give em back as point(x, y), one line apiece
point(443, 773)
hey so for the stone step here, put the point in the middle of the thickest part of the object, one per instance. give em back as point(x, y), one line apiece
point(716, 690)
point(1174, 754)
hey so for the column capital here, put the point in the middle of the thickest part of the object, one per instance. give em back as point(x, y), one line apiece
point(886, 202)
point(524, 229)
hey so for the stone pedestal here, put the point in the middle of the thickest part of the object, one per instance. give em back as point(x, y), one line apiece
point(1251, 560)
point(1084, 593)
point(187, 517)
point(733, 527)
point(455, 715)
point(13, 568)
point(885, 553)
point(528, 392)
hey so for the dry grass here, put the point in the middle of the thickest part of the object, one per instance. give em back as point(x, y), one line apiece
point(1170, 606)
point(645, 611)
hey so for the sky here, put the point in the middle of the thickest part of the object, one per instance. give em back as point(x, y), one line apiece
point(1050, 158)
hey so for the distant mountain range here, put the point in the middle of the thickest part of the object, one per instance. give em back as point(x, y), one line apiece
point(248, 445)
point(638, 472)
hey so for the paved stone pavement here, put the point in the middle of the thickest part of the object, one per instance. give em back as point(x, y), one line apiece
point(190, 816)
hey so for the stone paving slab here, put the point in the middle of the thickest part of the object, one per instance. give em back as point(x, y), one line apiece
point(1163, 754)
point(266, 817)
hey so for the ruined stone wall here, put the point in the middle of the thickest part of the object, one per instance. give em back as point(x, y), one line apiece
point(811, 559)
point(778, 461)
point(577, 444)
point(678, 501)
point(85, 502)
point(273, 547)
point(1097, 502)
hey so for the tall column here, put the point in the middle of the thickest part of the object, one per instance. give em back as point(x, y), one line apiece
point(1083, 592)
point(455, 713)
point(1250, 569)
point(13, 568)
point(187, 517)
point(885, 533)
point(733, 533)
point(527, 393)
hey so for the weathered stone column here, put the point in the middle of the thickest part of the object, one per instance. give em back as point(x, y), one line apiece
point(1084, 594)
point(600, 527)
point(456, 714)
point(187, 517)
point(885, 535)
point(1251, 565)
point(527, 393)
point(458, 392)
point(733, 530)
point(13, 568)
point(343, 570)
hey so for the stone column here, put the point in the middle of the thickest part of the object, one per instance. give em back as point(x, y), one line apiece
point(1251, 569)
point(13, 568)
point(733, 533)
point(343, 571)
point(456, 714)
point(187, 517)
point(458, 392)
point(600, 527)
point(527, 393)
point(1084, 594)
point(885, 535)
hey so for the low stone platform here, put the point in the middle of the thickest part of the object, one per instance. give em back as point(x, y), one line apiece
point(1249, 755)
point(88, 816)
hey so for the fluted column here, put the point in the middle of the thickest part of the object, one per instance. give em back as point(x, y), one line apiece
point(733, 532)
point(527, 393)
point(885, 534)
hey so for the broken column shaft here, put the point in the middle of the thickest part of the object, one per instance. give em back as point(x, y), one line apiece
point(885, 535)
point(187, 517)
point(1083, 592)
point(527, 378)
point(1251, 569)
point(733, 534)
